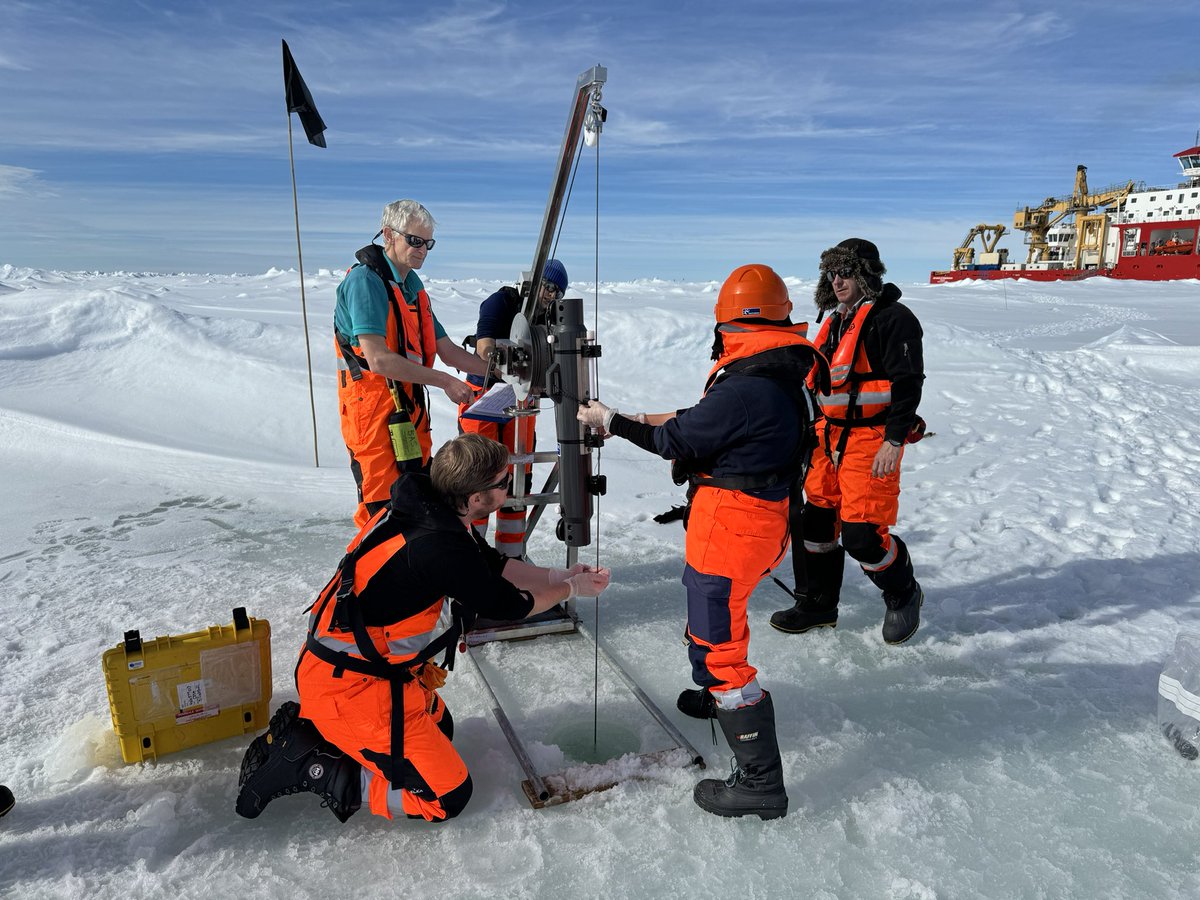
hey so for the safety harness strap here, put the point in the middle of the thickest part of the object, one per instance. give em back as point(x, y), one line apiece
point(372, 258)
point(347, 616)
point(855, 380)
point(402, 672)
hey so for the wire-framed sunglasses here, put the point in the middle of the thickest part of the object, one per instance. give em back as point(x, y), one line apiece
point(845, 274)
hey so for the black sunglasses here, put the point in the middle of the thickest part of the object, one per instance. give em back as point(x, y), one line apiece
point(844, 274)
point(551, 290)
point(505, 482)
point(414, 241)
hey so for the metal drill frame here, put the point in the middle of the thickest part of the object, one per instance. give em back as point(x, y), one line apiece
point(547, 354)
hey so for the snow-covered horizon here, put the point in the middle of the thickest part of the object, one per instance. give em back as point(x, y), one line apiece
point(157, 455)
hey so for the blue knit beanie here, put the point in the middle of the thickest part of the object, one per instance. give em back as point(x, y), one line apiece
point(556, 273)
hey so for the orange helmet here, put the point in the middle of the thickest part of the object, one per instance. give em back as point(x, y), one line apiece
point(753, 292)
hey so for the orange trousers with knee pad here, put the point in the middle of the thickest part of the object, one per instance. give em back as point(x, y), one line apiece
point(853, 493)
point(733, 541)
point(354, 712)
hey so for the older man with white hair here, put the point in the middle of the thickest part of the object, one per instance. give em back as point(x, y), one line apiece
point(387, 338)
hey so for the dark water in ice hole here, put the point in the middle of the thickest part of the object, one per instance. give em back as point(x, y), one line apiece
point(611, 740)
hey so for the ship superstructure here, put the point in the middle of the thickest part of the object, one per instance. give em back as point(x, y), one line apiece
point(1122, 231)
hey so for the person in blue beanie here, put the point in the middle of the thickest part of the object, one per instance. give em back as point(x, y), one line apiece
point(496, 315)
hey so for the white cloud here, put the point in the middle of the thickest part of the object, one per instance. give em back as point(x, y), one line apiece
point(769, 110)
point(462, 23)
point(7, 62)
point(15, 180)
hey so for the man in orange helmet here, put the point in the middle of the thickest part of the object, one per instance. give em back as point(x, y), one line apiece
point(740, 448)
point(387, 340)
point(873, 343)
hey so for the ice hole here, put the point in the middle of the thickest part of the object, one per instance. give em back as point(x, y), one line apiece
point(611, 740)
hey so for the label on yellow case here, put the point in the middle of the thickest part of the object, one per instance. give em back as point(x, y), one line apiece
point(191, 695)
point(192, 703)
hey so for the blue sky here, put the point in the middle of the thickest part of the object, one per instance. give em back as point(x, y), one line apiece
point(152, 136)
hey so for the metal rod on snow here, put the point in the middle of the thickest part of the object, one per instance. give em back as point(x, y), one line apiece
point(303, 304)
point(667, 726)
point(518, 748)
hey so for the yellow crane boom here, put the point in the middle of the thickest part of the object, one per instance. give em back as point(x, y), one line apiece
point(989, 236)
point(1037, 221)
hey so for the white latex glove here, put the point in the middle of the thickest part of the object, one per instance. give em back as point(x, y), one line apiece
point(588, 584)
point(558, 576)
point(595, 414)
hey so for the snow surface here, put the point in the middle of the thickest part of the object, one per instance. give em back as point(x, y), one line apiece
point(157, 472)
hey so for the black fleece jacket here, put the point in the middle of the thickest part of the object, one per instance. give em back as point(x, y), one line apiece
point(893, 345)
point(440, 557)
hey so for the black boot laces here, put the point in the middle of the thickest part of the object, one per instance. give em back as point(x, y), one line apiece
point(327, 800)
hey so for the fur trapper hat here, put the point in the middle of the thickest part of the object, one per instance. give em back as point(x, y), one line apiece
point(856, 255)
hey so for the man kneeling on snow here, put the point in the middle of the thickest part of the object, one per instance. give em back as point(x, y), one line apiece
point(374, 728)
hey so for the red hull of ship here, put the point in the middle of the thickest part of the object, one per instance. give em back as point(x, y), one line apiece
point(1136, 268)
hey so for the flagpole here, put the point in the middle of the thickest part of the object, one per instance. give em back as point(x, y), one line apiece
point(303, 304)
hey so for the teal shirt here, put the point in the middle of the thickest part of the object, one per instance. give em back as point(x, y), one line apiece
point(362, 302)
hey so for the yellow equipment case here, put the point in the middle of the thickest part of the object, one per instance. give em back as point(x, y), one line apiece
point(179, 691)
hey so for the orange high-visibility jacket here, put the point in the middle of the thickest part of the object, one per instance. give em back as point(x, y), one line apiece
point(858, 396)
point(410, 332)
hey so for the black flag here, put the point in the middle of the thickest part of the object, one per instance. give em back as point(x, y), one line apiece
point(299, 100)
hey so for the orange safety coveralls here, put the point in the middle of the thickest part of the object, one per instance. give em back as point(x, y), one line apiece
point(496, 315)
point(850, 435)
point(734, 538)
point(366, 403)
point(369, 688)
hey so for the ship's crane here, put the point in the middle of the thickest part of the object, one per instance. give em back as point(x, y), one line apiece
point(1038, 221)
point(989, 236)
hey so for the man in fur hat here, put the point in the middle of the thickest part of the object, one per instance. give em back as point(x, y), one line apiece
point(873, 343)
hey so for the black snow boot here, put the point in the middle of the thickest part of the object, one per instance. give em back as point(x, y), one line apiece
point(292, 757)
point(698, 704)
point(755, 786)
point(902, 596)
point(817, 607)
point(903, 616)
point(7, 800)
